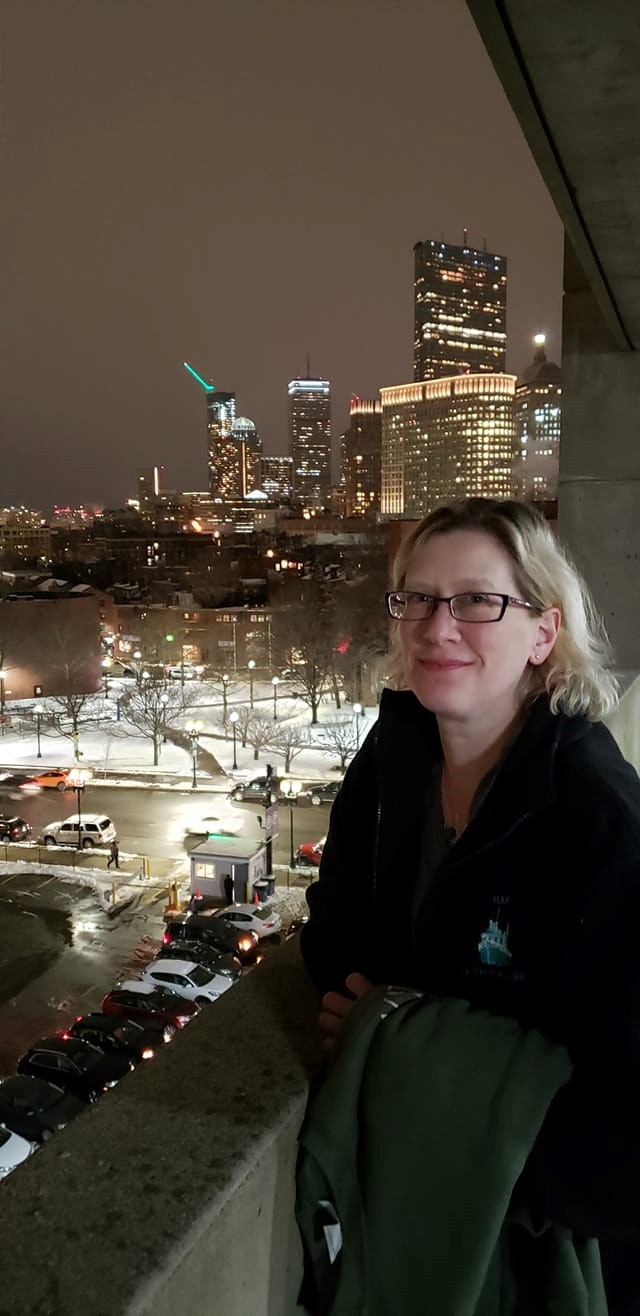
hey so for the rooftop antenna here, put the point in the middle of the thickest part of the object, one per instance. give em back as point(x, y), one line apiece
point(465, 232)
point(208, 388)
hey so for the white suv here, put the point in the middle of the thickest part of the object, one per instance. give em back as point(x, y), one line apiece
point(193, 981)
point(95, 828)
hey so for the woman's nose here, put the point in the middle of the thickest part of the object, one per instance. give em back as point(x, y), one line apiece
point(441, 624)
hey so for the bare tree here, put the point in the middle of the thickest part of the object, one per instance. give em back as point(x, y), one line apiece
point(363, 628)
point(259, 733)
point(340, 738)
point(153, 709)
point(305, 630)
point(72, 661)
point(245, 718)
point(289, 739)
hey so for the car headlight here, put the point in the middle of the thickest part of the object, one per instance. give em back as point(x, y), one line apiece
point(148, 1053)
point(111, 1084)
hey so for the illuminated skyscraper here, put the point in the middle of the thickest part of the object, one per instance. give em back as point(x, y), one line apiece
point(310, 440)
point(361, 444)
point(274, 477)
point(446, 439)
point(538, 422)
point(151, 484)
point(221, 414)
point(460, 310)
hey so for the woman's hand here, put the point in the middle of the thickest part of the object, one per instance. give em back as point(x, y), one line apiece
point(335, 1007)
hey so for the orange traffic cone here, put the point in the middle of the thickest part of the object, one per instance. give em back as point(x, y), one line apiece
point(256, 898)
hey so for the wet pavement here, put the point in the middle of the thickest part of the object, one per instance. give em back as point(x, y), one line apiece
point(60, 953)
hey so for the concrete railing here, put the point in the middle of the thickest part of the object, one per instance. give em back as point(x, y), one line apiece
point(173, 1195)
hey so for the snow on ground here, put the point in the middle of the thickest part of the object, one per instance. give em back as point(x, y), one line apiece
point(95, 879)
point(114, 746)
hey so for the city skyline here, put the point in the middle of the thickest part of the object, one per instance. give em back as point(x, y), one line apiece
point(125, 263)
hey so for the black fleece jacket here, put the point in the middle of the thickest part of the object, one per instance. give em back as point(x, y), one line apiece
point(534, 913)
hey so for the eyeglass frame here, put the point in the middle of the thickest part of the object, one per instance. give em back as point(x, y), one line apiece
point(508, 600)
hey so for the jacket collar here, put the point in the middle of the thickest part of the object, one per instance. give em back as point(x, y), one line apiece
point(409, 742)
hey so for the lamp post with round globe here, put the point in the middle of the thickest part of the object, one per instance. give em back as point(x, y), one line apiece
point(233, 718)
point(251, 666)
point(275, 681)
point(38, 710)
point(358, 712)
point(193, 729)
point(291, 790)
point(77, 779)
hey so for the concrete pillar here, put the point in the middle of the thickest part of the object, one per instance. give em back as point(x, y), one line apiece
point(599, 491)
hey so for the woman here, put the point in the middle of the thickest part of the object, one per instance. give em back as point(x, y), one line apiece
point(485, 844)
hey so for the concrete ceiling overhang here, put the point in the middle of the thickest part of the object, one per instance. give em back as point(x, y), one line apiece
point(571, 70)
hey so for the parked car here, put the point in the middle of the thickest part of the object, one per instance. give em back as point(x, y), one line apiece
point(54, 779)
point(150, 1006)
point(14, 829)
point(256, 790)
point(201, 953)
point(79, 1068)
point(325, 792)
point(309, 854)
point(192, 981)
point(34, 1108)
point(115, 1036)
point(13, 1150)
point(96, 830)
point(214, 932)
point(261, 919)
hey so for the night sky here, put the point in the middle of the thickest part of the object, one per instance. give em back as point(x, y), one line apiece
point(235, 185)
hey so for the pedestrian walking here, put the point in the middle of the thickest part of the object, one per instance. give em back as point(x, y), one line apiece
point(114, 855)
point(227, 883)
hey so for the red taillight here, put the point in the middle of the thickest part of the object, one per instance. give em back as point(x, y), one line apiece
point(269, 925)
point(166, 939)
point(66, 1037)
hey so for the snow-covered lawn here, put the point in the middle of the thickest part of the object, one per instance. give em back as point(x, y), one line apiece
point(115, 746)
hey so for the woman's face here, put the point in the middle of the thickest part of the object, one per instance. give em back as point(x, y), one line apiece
point(469, 670)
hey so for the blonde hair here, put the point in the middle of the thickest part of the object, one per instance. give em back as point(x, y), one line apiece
point(575, 675)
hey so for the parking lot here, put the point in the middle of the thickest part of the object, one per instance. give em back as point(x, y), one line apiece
point(61, 953)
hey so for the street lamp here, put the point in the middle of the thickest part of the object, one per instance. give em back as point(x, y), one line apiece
point(233, 718)
point(275, 681)
point(77, 779)
point(358, 711)
point(291, 790)
point(38, 710)
point(193, 730)
point(164, 700)
point(106, 664)
point(251, 665)
point(225, 682)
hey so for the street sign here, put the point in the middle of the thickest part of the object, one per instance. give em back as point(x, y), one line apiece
point(271, 820)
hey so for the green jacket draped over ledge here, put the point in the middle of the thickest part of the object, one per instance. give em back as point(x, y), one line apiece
point(409, 1154)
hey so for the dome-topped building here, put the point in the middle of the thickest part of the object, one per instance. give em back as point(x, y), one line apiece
point(538, 424)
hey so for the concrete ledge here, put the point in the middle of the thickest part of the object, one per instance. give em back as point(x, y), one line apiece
point(174, 1194)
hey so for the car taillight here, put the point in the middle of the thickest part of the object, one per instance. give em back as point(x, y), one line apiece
point(166, 939)
point(245, 943)
point(66, 1037)
point(269, 925)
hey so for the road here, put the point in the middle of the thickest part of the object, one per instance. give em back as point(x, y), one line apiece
point(156, 823)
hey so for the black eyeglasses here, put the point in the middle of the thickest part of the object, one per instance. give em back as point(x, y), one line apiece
point(409, 605)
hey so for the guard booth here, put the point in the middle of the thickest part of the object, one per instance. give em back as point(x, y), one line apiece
point(244, 861)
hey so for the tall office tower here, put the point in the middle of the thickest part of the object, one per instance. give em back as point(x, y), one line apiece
point(446, 439)
point(274, 475)
point(151, 484)
point(460, 310)
point(361, 457)
point(221, 414)
point(538, 425)
point(248, 445)
point(310, 440)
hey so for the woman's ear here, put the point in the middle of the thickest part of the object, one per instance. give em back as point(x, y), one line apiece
point(546, 635)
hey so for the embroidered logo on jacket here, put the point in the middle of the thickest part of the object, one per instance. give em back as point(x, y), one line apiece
point(493, 945)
